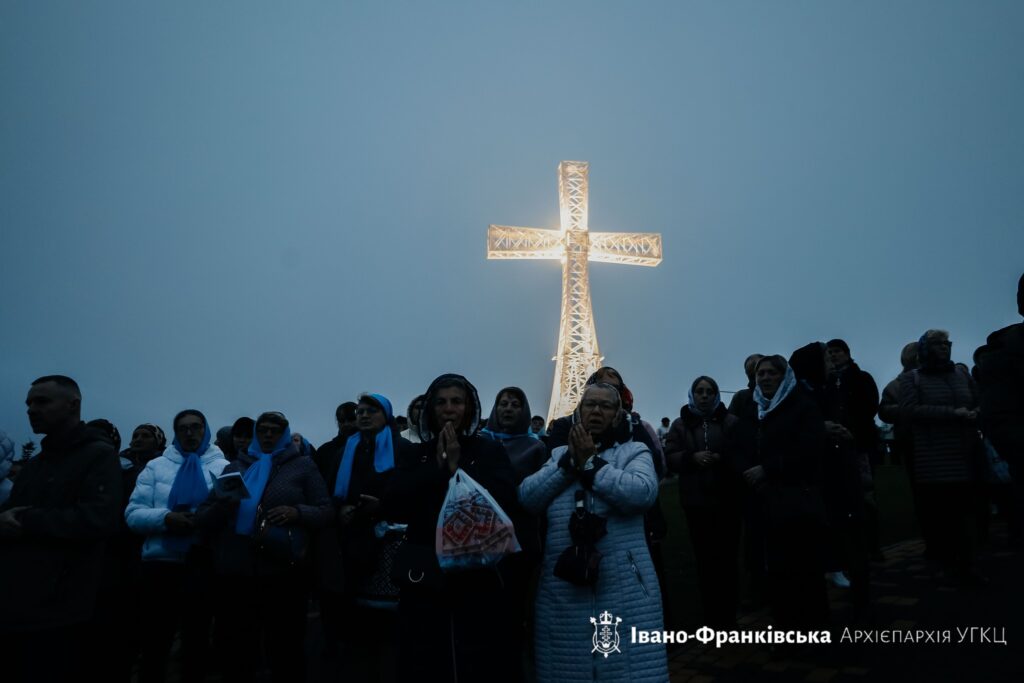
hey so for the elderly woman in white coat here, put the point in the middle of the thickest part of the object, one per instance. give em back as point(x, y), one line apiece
point(596, 567)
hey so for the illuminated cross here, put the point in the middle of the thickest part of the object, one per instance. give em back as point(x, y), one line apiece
point(578, 356)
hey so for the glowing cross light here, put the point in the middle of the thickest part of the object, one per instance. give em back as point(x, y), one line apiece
point(578, 355)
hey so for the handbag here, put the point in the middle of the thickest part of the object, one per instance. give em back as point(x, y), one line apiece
point(287, 545)
point(579, 563)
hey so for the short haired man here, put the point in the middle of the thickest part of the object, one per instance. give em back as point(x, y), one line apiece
point(63, 505)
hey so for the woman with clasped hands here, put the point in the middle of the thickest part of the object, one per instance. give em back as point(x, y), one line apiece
point(449, 623)
point(594, 492)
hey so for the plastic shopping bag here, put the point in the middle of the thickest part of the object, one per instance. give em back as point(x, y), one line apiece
point(472, 529)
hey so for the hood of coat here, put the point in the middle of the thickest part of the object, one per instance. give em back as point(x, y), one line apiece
point(428, 430)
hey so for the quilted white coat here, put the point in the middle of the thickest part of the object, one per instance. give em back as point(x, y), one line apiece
point(627, 586)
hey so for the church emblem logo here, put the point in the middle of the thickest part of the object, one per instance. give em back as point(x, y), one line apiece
point(606, 633)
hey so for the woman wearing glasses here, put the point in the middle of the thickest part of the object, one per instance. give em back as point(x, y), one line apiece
point(597, 569)
point(174, 579)
point(261, 552)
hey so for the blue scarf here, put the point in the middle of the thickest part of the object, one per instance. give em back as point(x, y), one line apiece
point(256, 478)
point(383, 451)
point(698, 412)
point(190, 488)
point(766, 405)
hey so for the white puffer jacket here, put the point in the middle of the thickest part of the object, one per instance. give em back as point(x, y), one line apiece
point(148, 505)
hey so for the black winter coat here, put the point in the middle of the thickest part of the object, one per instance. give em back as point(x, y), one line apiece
point(1001, 384)
point(691, 433)
point(50, 575)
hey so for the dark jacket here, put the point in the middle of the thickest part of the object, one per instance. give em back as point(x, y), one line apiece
point(851, 399)
point(788, 443)
point(294, 481)
point(419, 486)
point(1000, 373)
point(691, 433)
point(356, 544)
point(50, 575)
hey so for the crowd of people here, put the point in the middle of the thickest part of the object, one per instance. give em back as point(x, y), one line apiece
point(222, 541)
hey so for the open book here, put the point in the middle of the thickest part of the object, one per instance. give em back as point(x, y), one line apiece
point(229, 485)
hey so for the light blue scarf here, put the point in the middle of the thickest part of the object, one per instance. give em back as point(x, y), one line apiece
point(190, 488)
point(256, 478)
point(766, 405)
point(383, 451)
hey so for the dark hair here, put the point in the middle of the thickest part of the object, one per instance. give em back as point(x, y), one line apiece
point(109, 431)
point(243, 427)
point(838, 344)
point(537, 417)
point(345, 411)
point(62, 381)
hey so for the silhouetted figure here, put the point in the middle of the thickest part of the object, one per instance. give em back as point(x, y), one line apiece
point(1000, 370)
point(743, 397)
point(63, 506)
point(776, 445)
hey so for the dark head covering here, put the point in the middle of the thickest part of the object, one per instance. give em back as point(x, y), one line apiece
point(158, 434)
point(428, 428)
point(838, 344)
point(625, 395)
point(109, 431)
point(1020, 295)
point(225, 443)
point(520, 428)
point(808, 363)
point(243, 427)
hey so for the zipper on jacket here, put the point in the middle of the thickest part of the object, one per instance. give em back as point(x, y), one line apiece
point(636, 573)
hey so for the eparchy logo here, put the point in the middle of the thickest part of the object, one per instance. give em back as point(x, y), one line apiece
point(606, 633)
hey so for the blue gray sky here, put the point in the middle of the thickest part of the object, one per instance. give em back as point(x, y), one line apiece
point(246, 206)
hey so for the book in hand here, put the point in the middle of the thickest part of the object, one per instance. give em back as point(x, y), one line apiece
point(230, 486)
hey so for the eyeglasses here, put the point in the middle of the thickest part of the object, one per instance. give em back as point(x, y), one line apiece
point(591, 404)
point(189, 428)
point(269, 429)
point(367, 410)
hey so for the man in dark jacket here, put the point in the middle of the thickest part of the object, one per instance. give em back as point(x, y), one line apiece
point(1000, 376)
point(64, 503)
